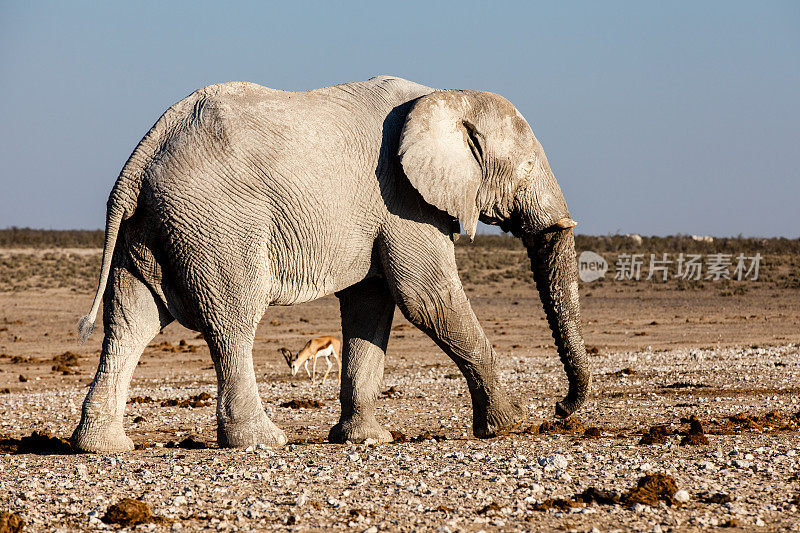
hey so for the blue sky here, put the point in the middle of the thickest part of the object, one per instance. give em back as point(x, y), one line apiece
point(657, 117)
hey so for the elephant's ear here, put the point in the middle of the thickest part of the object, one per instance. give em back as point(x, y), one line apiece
point(441, 154)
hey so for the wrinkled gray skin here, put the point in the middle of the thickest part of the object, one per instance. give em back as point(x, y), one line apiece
point(241, 197)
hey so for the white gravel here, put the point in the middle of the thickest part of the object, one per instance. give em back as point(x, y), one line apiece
point(434, 485)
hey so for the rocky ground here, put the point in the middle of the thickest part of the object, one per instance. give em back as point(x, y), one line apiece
point(669, 365)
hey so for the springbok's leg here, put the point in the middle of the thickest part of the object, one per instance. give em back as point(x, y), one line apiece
point(327, 370)
point(308, 373)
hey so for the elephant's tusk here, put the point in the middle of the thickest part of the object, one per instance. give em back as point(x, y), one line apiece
point(565, 223)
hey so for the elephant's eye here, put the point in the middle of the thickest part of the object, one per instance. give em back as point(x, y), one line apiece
point(527, 167)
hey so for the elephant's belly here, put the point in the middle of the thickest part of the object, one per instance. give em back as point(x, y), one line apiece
point(288, 289)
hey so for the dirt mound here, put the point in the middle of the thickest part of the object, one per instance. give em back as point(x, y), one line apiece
point(303, 403)
point(130, 512)
point(38, 442)
point(21, 360)
point(10, 522)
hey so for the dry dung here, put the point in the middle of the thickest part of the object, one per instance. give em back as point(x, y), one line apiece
point(391, 392)
point(67, 359)
point(10, 522)
point(651, 488)
point(141, 399)
point(199, 400)
point(656, 435)
point(562, 504)
point(567, 426)
point(715, 498)
point(130, 512)
point(398, 436)
point(189, 443)
point(490, 508)
point(624, 372)
point(38, 442)
point(303, 404)
point(696, 436)
point(427, 436)
point(592, 432)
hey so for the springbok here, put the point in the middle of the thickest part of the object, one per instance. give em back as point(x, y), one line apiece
point(326, 346)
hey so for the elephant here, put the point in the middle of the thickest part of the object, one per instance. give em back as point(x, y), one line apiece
point(242, 197)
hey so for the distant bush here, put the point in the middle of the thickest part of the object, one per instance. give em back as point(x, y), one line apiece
point(14, 237)
point(668, 244)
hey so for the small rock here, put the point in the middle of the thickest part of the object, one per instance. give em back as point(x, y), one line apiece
point(371, 529)
point(681, 496)
point(553, 462)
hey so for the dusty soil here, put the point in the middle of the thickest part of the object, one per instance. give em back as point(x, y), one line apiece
point(671, 363)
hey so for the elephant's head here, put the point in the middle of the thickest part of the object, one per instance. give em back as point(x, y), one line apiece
point(473, 155)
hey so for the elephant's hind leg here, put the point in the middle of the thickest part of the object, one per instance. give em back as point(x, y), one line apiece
point(367, 310)
point(132, 317)
point(241, 420)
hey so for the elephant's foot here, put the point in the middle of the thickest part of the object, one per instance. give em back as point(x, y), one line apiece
point(249, 432)
point(359, 430)
point(101, 437)
point(499, 420)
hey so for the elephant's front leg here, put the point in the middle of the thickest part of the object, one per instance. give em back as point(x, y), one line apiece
point(439, 307)
point(367, 310)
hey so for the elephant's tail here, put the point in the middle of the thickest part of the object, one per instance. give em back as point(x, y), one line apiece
point(113, 221)
point(123, 200)
point(125, 195)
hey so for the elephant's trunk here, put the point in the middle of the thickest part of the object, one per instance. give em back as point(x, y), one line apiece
point(555, 271)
